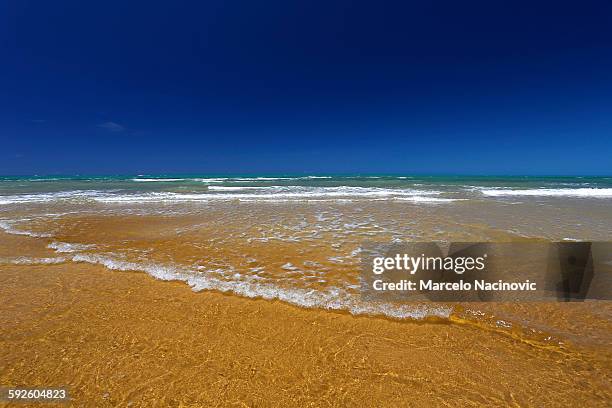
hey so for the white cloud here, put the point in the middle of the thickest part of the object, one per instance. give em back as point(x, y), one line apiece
point(112, 126)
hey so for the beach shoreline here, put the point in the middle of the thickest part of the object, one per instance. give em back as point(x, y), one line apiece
point(120, 338)
point(176, 294)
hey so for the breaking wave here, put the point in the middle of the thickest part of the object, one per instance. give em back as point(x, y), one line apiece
point(247, 193)
point(330, 299)
point(551, 192)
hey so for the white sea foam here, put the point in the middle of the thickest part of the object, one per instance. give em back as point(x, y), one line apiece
point(245, 193)
point(279, 178)
point(421, 199)
point(237, 188)
point(200, 179)
point(277, 193)
point(25, 198)
point(48, 197)
point(242, 193)
point(332, 298)
point(157, 179)
point(65, 247)
point(263, 178)
point(211, 180)
point(551, 192)
point(7, 226)
point(218, 179)
point(33, 261)
point(44, 179)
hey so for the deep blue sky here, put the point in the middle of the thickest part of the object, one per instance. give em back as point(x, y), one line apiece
point(487, 87)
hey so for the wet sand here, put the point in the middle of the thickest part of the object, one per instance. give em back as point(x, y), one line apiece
point(125, 339)
point(122, 338)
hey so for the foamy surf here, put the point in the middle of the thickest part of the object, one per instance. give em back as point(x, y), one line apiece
point(46, 197)
point(7, 226)
point(65, 247)
point(152, 180)
point(24, 260)
point(330, 299)
point(551, 192)
point(263, 193)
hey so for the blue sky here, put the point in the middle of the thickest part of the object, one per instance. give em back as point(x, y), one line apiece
point(482, 87)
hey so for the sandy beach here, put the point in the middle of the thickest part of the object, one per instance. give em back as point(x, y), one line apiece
point(125, 339)
point(145, 296)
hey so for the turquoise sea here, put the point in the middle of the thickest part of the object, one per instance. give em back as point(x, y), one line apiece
point(297, 187)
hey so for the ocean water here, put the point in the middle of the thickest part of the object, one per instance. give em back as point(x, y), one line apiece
point(194, 187)
point(293, 238)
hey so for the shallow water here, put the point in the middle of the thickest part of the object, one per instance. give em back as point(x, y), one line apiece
point(298, 238)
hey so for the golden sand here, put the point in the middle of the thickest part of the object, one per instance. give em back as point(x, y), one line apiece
point(118, 338)
point(124, 339)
